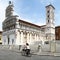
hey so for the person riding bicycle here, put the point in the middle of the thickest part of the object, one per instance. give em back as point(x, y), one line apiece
point(27, 49)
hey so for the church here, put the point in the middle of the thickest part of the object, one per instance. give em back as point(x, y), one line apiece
point(18, 32)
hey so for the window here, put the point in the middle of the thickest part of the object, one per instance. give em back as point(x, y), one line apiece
point(47, 11)
point(48, 16)
point(48, 21)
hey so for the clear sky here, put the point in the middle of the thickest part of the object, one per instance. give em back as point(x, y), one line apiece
point(31, 10)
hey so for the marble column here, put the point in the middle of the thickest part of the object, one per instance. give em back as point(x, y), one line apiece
point(28, 40)
point(35, 37)
point(22, 37)
point(18, 38)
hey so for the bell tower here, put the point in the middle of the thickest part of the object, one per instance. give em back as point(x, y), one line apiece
point(50, 23)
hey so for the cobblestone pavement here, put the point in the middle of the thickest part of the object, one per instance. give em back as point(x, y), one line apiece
point(12, 55)
point(7, 54)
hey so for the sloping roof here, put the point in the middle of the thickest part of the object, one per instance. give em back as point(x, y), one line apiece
point(29, 23)
point(57, 27)
point(43, 25)
point(50, 5)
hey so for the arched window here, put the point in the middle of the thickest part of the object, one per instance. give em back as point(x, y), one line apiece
point(48, 11)
point(48, 21)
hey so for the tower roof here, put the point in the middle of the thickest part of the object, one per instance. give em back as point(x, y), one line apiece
point(50, 5)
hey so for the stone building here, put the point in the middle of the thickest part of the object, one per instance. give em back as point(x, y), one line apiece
point(0, 37)
point(57, 32)
point(18, 32)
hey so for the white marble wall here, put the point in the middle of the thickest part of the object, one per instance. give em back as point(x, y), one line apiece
point(8, 35)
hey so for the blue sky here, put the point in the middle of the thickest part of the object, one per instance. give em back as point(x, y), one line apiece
point(31, 10)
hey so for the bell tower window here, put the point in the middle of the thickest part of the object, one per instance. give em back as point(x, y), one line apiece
point(48, 21)
point(48, 16)
point(47, 11)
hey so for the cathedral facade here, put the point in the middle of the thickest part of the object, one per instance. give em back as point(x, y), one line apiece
point(19, 32)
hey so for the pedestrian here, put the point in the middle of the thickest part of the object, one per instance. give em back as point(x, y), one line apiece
point(39, 47)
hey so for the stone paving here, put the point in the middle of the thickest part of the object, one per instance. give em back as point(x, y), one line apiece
point(45, 50)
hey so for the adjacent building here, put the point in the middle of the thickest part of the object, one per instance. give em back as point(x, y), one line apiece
point(0, 37)
point(57, 32)
point(18, 32)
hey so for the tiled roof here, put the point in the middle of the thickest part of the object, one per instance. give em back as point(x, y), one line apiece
point(50, 5)
point(29, 23)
